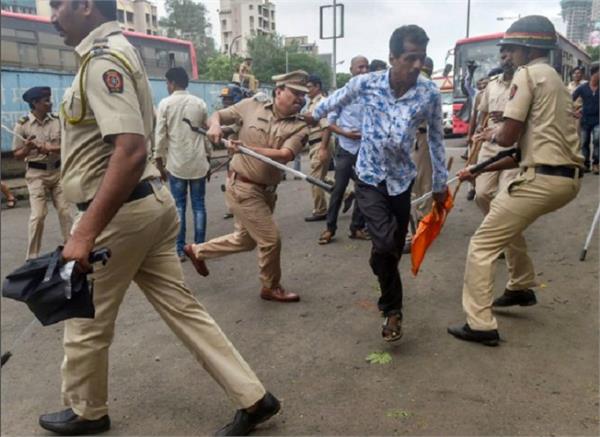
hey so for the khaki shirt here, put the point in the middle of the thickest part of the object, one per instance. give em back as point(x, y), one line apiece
point(572, 86)
point(118, 102)
point(493, 99)
point(261, 127)
point(184, 151)
point(46, 131)
point(538, 98)
point(316, 132)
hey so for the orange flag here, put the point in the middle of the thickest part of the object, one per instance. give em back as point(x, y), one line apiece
point(428, 230)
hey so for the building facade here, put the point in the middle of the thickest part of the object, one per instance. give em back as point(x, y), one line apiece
point(302, 44)
point(20, 6)
point(578, 15)
point(133, 15)
point(241, 20)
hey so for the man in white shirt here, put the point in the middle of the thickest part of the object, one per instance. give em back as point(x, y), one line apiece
point(181, 154)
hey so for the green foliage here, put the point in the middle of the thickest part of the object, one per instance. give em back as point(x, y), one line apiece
point(221, 67)
point(594, 53)
point(268, 59)
point(379, 358)
point(342, 79)
point(187, 19)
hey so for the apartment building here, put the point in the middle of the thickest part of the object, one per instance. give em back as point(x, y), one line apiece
point(242, 19)
point(577, 14)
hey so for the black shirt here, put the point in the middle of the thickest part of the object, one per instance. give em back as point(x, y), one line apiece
point(591, 104)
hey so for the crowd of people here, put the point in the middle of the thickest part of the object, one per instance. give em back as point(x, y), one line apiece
point(110, 153)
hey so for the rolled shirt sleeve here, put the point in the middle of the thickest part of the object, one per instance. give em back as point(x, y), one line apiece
point(113, 99)
point(436, 143)
point(296, 141)
point(233, 114)
point(520, 97)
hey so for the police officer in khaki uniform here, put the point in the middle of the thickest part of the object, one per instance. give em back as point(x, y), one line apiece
point(123, 205)
point(318, 140)
point(538, 115)
point(42, 156)
point(270, 128)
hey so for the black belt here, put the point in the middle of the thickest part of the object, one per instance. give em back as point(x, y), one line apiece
point(558, 170)
point(141, 190)
point(43, 165)
point(315, 141)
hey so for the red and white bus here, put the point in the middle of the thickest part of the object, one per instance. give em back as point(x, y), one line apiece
point(484, 51)
point(31, 42)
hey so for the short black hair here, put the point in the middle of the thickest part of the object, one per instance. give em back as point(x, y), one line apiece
point(411, 33)
point(315, 80)
point(178, 76)
point(377, 64)
point(594, 68)
point(108, 8)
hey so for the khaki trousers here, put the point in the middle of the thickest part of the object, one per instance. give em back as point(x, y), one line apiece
point(423, 182)
point(318, 170)
point(252, 208)
point(516, 206)
point(40, 183)
point(142, 240)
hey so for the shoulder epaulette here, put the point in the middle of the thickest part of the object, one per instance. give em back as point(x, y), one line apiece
point(23, 119)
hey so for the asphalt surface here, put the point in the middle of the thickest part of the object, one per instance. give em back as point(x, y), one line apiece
point(541, 380)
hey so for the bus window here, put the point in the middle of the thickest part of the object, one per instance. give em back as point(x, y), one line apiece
point(49, 57)
point(9, 51)
point(4, 31)
point(485, 54)
point(162, 57)
point(26, 34)
point(50, 38)
point(67, 59)
point(28, 54)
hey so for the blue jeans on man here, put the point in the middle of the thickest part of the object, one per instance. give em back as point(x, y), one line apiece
point(589, 135)
point(179, 190)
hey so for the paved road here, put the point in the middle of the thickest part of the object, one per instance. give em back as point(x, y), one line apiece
point(542, 380)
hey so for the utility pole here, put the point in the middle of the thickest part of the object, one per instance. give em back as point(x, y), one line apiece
point(468, 16)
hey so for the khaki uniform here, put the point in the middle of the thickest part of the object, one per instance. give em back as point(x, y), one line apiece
point(493, 99)
point(251, 190)
point(540, 100)
point(318, 169)
point(41, 182)
point(141, 236)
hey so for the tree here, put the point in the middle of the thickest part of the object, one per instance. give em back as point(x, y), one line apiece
point(594, 53)
point(268, 59)
point(221, 67)
point(187, 19)
point(342, 79)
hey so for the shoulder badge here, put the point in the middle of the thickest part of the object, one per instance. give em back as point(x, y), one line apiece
point(513, 91)
point(113, 81)
point(23, 119)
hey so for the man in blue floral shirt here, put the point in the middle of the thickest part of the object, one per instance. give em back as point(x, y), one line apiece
point(396, 102)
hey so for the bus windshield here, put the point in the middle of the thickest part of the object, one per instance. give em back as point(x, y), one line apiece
point(485, 54)
point(446, 98)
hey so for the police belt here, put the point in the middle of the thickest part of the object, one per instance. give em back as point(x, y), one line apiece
point(141, 190)
point(239, 177)
point(44, 165)
point(558, 170)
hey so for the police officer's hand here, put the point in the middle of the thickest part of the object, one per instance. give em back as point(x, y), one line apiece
point(164, 174)
point(30, 144)
point(309, 119)
point(485, 135)
point(232, 146)
point(466, 175)
point(215, 133)
point(439, 199)
point(324, 155)
point(78, 249)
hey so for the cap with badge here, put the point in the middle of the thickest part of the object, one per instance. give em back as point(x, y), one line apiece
point(295, 80)
point(534, 31)
point(36, 93)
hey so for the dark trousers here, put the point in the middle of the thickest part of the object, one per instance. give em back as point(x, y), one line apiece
point(587, 138)
point(344, 171)
point(387, 219)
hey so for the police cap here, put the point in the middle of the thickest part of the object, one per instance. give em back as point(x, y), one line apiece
point(534, 31)
point(295, 80)
point(232, 92)
point(36, 93)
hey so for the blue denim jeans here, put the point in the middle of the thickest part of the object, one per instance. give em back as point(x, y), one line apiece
point(179, 189)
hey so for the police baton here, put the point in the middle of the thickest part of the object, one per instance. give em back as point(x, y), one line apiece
point(475, 169)
point(249, 152)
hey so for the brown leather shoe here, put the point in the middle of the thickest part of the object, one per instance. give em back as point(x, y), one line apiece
point(326, 237)
point(278, 294)
point(199, 264)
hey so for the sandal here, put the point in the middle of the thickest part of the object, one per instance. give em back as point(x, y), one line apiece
point(389, 333)
point(11, 203)
point(326, 237)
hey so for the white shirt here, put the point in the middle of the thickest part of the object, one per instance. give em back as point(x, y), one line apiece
point(185, 152)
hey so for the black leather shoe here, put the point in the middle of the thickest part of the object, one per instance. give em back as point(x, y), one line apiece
point(66, 422)
point(315, 218)
point(489, 338)
point(244, 422)
point(523, 298)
